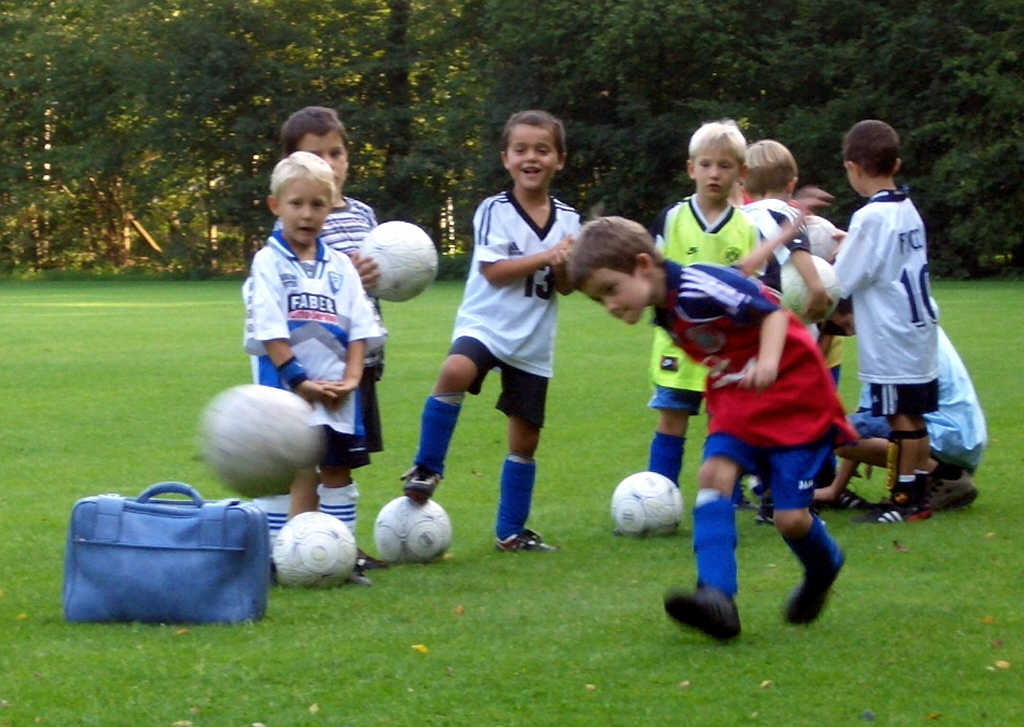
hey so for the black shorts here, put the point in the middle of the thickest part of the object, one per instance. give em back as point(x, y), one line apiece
point(910, 399)
point(522, 394)
point(370, 408)
point(344, 450)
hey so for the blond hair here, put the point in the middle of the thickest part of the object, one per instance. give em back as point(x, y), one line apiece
point(302, 165)
point(723, 134)
point(609, 242)
point(770, 167)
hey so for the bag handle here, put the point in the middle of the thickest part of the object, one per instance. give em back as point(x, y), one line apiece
point(179, 488)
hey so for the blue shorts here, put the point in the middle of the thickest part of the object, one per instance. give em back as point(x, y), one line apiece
point(788, 471)
point(679, 399)
point(868, 425)
point(344, 450)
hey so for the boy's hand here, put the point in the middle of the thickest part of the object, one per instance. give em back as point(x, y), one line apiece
point(818, 303)
point(335, 392)
point(310, 390)
point(559, 254)
point(760, 376)
point(810, 198)
point(369, 273)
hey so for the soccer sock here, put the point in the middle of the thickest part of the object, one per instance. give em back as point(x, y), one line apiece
point(437, 424)
point(517, 477)
point(818, 552)
point(276, 507)
point(666, 455)
point(340, 503)
point(714, 541)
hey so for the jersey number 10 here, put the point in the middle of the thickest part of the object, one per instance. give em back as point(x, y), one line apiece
point(920, 299)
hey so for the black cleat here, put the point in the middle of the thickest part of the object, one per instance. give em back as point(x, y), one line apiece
point(807, 600)
point(707, 609)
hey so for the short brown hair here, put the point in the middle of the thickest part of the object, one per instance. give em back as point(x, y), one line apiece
point(316, 120)
point(874, 146)
point(536, 117)
point(770, 167)
point(609, 242)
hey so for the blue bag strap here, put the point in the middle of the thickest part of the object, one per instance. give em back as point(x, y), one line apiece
point(107, 525)
point(212, 524)
point(162, 488)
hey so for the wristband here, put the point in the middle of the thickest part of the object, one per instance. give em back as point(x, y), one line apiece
point(292, 372)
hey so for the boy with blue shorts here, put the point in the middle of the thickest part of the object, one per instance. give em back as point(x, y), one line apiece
point(773, 409)
point(883, 265)
point(704, 227)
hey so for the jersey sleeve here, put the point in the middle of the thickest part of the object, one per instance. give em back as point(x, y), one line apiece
point(492, 241)
point(265, 317)
point(857, 263)
point(709, 291)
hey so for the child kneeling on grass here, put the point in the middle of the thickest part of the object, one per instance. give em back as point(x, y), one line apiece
point(773, 409)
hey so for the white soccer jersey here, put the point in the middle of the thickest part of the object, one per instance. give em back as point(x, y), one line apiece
point(516, 321)
point(318, 306)
point(883, 264)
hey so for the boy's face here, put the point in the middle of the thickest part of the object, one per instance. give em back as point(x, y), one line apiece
point(302, 206)
point(531, 157)
point(623, 295)
point(331, 149)
point(715, 170)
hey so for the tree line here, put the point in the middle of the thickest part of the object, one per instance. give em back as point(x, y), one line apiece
point(141, 135)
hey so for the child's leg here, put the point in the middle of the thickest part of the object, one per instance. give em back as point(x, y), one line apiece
point(339, 495)
point(714, 525)
point(441, 411)
point(669, 443)
point(281, 508)
point(909, 472)
point(518, 474)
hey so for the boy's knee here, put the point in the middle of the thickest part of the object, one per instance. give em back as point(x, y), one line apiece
point(718, 473)
point(793, 524)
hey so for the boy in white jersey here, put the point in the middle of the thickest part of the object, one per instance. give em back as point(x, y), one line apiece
point(883, 265)
point(507, 321)
point(308, 327)
point(318, 130)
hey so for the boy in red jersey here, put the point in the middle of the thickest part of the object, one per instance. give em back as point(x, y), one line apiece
point(774, 411)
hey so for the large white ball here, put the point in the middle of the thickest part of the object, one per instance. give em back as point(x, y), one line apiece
point(314, 549)
point(256, 437)
point(646, 503)
point(794, 289)
point(406, 259)
point(407, 532)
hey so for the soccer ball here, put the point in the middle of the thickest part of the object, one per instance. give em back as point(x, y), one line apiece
point(794, 289)
point(646, 503)
point(405, 257)
point(406, 532)
point(314, 549)
point(256, 437)
point(821, 237)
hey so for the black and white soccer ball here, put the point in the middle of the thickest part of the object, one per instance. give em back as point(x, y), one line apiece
point(646, 503)
point(406, 259)
point(256, 437)
point(314, 549)
point(407, 532)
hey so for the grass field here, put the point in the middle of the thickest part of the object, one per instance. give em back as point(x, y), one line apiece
point(101, 388)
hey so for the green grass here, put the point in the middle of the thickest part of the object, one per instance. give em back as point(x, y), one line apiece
point(101, 389)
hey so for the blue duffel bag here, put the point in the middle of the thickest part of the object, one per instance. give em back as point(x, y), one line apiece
point(166, 561)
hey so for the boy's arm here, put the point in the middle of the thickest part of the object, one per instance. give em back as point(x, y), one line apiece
point(818, 301)
point(514, 269)
point(279, 351)
point(755, 260)
point(338, 390)
point(769, 352)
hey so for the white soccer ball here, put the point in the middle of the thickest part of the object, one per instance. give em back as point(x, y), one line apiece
point(821, 237)
point(256, 437)
point(646, 503)
point(794, 289)
point(405, 257)
point(407, 532)
point(314, 549)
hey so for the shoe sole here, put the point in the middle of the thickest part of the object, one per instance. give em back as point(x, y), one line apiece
point(952, 498)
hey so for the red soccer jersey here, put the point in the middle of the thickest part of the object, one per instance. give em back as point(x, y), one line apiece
point(714, 314)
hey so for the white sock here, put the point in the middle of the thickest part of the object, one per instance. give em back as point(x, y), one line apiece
point(276, 507)
point(340, 502)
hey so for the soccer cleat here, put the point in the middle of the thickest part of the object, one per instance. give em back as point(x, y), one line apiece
point(808, 599)
point(765, 511)
point(365, 561)
point(849, 500)
point(707, 609)
point(952, 494)
point(420, 484)
point(526, 540)
point(358, 577)
point(887, 513)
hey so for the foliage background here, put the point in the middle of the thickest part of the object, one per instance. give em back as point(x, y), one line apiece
point(124, 119)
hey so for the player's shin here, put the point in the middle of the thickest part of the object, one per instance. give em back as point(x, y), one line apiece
point(714, 541)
